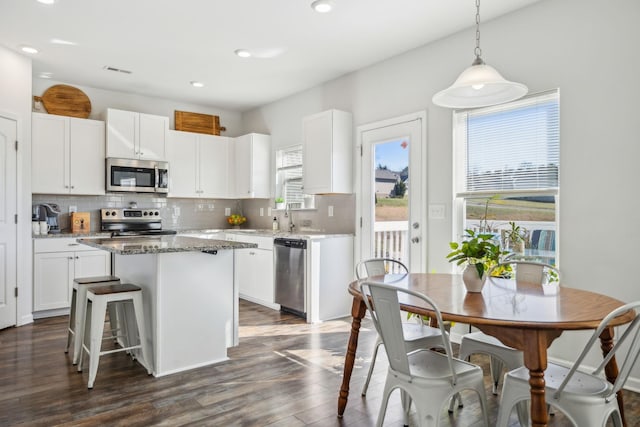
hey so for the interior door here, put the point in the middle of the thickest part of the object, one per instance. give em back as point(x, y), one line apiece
point(8, 227)
point(393, 181)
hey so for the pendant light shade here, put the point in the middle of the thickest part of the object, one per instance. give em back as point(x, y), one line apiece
point(480, 85)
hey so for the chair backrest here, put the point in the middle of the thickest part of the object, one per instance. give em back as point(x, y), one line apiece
point(385, 312)
point(543, 239)
point(378, 267)
point(625, 363)
point(525, 271)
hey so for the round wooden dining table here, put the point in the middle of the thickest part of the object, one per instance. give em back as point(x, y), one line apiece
point(528, 317)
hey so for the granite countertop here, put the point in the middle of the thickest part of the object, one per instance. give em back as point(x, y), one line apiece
point(161, 244)
point(297, 234)
point(68, 233)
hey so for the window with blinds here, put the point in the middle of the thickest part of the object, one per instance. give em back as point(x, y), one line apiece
point(507, 162)
point(510, 148)
point(289, 175)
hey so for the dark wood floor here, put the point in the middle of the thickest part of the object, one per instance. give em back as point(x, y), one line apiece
point(284, 373)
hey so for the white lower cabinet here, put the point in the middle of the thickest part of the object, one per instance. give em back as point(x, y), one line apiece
point(56, 262)
point(329, 272)
point(253, 270)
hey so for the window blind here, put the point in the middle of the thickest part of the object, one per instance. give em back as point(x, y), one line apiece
point(510, 148)
point(290, 174)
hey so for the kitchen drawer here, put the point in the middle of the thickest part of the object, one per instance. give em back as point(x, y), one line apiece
point(62, 244)
point(263, 242)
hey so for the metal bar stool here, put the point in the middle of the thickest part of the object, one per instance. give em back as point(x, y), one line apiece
point(97, 300)
point(79, 308)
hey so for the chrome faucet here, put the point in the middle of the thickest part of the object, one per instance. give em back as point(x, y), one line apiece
point(289, 215)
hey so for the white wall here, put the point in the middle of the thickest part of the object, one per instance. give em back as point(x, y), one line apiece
point(588, 49)
point(15, 102)
point(102, 99)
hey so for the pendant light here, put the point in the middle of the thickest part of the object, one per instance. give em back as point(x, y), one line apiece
point(480, 85)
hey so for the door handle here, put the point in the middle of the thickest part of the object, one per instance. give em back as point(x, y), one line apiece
point(415, 225)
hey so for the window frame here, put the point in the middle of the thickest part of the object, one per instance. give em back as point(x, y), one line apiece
point(460, 195)
point(280, 190)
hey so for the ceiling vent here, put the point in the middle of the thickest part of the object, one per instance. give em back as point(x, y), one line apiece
point(117, 70)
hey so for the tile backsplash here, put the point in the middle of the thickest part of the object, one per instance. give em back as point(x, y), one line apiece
point(200, 214)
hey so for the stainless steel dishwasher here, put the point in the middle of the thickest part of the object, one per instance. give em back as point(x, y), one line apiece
point(290, 258)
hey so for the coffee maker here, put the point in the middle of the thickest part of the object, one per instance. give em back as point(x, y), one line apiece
point(47, 212)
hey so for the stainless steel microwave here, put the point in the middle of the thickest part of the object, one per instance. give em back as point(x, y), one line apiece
point(137, 176)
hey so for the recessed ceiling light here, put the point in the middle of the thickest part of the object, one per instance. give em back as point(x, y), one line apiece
point(47, 1)
point(242, 53)
point(322, 6)
point(45, 75)
point(197, 84)
point(29, 49)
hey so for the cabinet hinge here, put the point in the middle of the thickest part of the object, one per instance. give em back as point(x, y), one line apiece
point(16, 291)
point(16, 145)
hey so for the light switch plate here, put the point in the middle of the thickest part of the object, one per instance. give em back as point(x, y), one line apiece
point(73, 208)
point(261, 211)
point(436, 211)
point(227, 211)
point(330, 211)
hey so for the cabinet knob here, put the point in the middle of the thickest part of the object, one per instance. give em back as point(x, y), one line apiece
point(77, 257)
point(73, 186)
point(70, 258)
point(141, 153)
point(66, 186)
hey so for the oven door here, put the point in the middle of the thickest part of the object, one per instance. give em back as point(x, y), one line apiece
point(127, 175)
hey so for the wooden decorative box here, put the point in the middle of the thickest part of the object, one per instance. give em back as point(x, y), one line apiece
point(199, 123)
point(80, 222)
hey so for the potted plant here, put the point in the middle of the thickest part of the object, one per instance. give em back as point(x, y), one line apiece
point(515, 237)
point(479, 252)
point(279, 203)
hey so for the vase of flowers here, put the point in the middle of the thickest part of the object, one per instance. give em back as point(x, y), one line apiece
point(479, 252)
point(236, 220)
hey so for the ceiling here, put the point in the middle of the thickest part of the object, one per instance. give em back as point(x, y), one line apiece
point(167, 44)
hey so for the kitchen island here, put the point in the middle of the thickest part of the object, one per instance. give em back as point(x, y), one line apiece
point(190, 301)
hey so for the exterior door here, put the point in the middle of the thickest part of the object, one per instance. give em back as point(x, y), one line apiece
point(393, 187)
point(8, 227)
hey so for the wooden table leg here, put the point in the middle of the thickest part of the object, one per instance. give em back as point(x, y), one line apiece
point(611, 369)
point(535, 359)
point(358, 310)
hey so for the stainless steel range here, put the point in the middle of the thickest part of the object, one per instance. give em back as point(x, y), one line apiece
point(132, 222)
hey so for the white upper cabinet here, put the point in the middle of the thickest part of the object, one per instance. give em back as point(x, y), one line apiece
point(252, 160)
point(68, 155)
point(132, 135)
point(199, 165)
point(327, 153)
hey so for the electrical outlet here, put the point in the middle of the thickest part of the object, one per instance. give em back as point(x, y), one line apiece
point(73, 208)
point(330, 211)
point(261, 211)
point(227, 211)
point(306, 223)
point(269, 212)
point(176, 211)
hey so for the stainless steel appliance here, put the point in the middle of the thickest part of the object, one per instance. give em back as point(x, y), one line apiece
point(138, 176)
point(132, 222)
point(47, 212)
point(290, 258)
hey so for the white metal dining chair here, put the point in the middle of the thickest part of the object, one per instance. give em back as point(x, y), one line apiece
point(426, 377)
point(417, 335)
point(501, 355)
point(585, 396)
